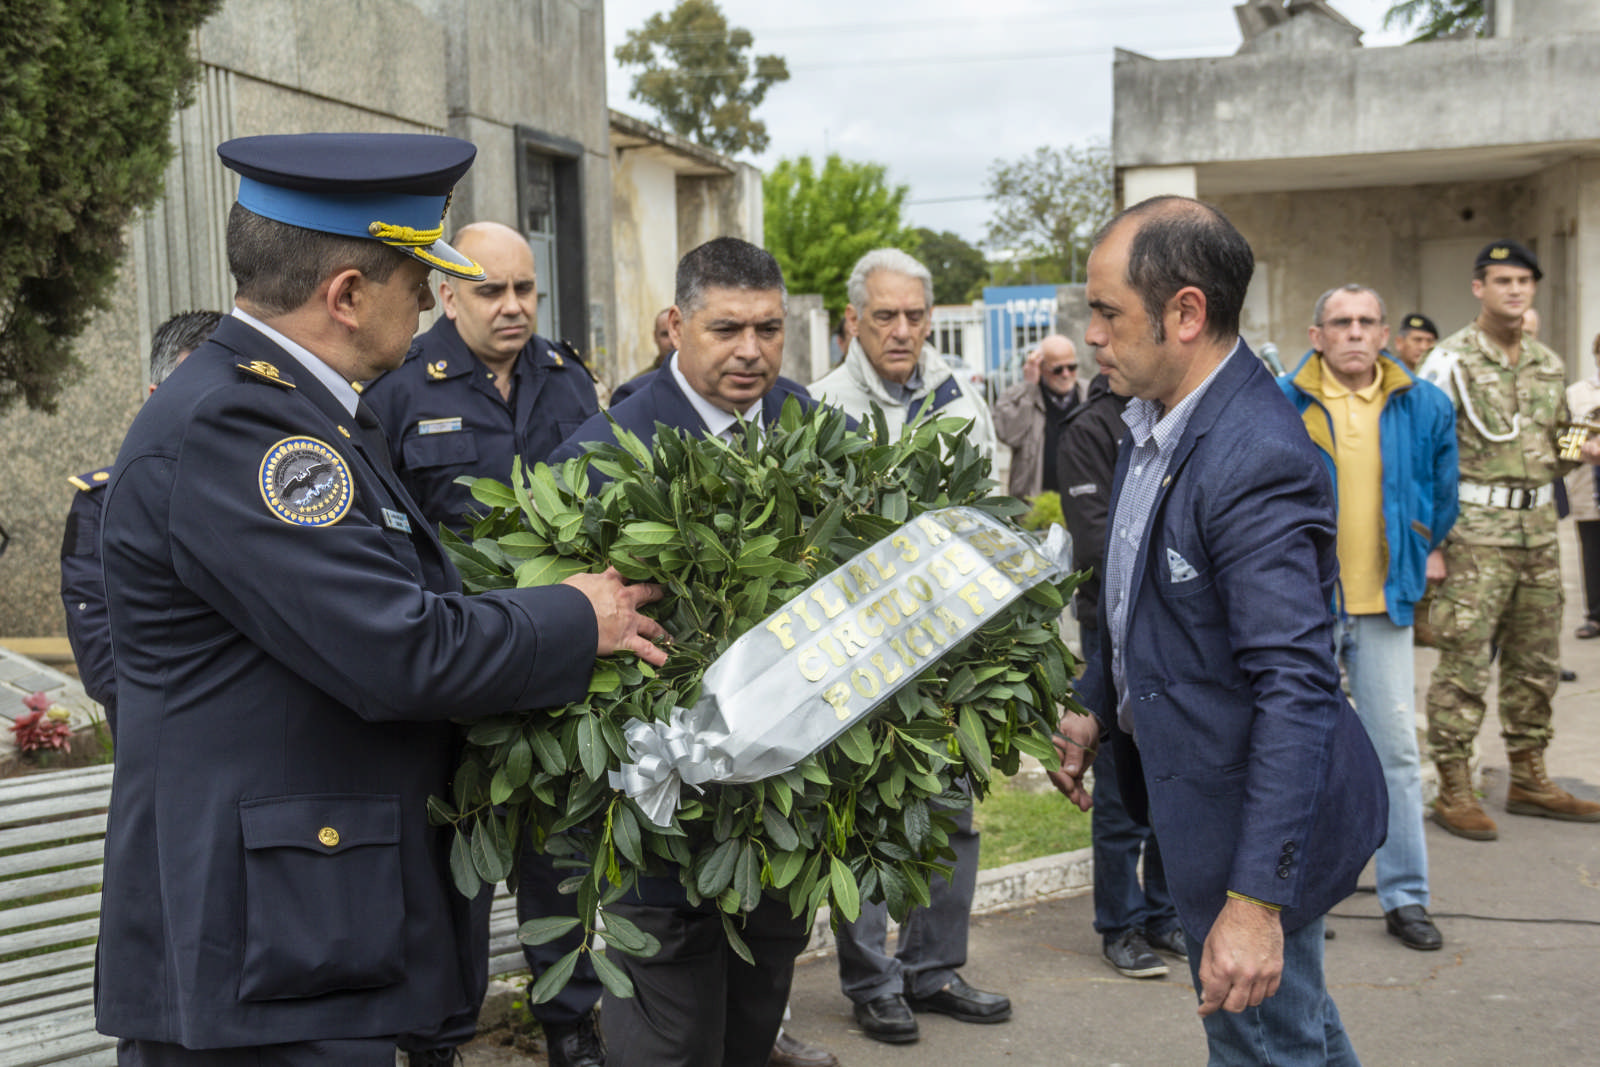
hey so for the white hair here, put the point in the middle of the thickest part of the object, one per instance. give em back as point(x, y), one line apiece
point(892, 260)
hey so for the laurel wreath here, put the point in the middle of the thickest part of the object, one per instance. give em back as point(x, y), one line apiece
point(732, 532)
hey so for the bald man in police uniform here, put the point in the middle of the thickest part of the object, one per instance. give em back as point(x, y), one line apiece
point(476, 392)
point(292, 644)
point(480, 387)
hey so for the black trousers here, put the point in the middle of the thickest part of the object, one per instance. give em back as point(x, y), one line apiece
point(696, 1003)
point(355, 1052)
point(539, 896)
point(1589, 551)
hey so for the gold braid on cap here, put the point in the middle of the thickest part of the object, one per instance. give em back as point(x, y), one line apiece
point(405, 236)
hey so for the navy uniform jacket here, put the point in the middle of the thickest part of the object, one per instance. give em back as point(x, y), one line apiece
point(445, 418)
point(83, 592)
point(1260, 777)
point(285, 692)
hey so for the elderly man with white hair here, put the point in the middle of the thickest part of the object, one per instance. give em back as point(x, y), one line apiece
point(889, 363)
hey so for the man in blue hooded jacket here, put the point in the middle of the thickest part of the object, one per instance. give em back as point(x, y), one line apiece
point(1388, 439)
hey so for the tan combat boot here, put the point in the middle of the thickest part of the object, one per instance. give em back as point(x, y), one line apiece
point(1533, 793)
point(1457, 808)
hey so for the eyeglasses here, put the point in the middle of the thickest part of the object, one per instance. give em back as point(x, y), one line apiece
point(1344, 323)
point(883, 318)
point(1063, 369)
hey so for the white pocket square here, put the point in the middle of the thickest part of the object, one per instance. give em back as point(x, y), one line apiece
point(1179, 567)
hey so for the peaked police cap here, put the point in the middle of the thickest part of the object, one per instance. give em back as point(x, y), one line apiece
point(389, 187)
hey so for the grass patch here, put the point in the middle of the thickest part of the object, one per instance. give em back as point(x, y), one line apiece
point(1022, 824)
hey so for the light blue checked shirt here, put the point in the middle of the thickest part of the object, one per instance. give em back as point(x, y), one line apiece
point(1155, 435)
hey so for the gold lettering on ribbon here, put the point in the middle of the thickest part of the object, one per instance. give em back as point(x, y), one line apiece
point(829, 610)
point(779, 625)
point(812, 666)
point(890, 674)
point(805, 616)
point(850, 637)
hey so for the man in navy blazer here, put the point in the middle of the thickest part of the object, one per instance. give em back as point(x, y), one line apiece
point(1217, 673)
point(696, 1001)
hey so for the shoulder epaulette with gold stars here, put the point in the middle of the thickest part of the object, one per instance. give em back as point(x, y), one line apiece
point(91, 481)
point(267, 372)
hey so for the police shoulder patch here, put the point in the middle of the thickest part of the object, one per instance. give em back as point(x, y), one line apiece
point(265, 371)
point(305, 482)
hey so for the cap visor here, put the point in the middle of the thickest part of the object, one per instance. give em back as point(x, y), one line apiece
point(440, 256)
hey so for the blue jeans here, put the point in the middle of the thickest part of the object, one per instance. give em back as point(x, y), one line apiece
point(1379, 659)
point(1120, 902)
point(1298, 1026)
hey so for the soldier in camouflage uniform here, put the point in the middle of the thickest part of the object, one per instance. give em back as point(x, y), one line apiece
point(1502, 582)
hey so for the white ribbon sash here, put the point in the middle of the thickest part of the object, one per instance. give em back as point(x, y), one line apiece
point(839, 650)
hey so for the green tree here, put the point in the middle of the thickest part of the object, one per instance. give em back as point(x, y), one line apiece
point(1437, 18)
point(958, 269)
point(818, 223)
point(89, 88)
point(698, 78)
point(1047, 207)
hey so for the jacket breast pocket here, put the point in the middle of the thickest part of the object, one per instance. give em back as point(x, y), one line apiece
point(324, 905)
point(422, 451)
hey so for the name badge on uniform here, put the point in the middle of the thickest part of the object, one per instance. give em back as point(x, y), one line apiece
point(396, 520)
point(427, 426)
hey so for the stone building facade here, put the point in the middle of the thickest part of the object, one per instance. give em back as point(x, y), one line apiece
point(1390, 166)
point(522, 79)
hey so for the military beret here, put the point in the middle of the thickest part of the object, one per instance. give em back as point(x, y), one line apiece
point(1415, 321)
point(1508, 254)
point(390, 187)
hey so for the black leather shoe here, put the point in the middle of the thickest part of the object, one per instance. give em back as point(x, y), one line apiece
point(434, 1057)
point(1413, 927)
point(790, 1051)
point(888, 1018)
point(1172, 942)
point(960, 1001)
point(1568, 676)
point(575, 1044)
point(1130, 954)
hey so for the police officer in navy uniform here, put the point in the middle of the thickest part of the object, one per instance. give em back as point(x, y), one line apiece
point(478, 390)
point(480, 387)
point(83, 587)
point(292, 645)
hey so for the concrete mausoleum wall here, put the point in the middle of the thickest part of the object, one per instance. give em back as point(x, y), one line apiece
point(669, 196)
point(1386, 166)
point(477, 69)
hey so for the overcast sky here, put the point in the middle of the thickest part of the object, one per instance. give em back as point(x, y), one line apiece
point(938, 89)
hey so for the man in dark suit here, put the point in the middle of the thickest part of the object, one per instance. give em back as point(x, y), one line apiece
point(695, 1001)
point(1217, 671)
point(292, 645)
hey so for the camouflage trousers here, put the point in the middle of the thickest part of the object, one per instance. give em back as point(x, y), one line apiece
point(1510, 597)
